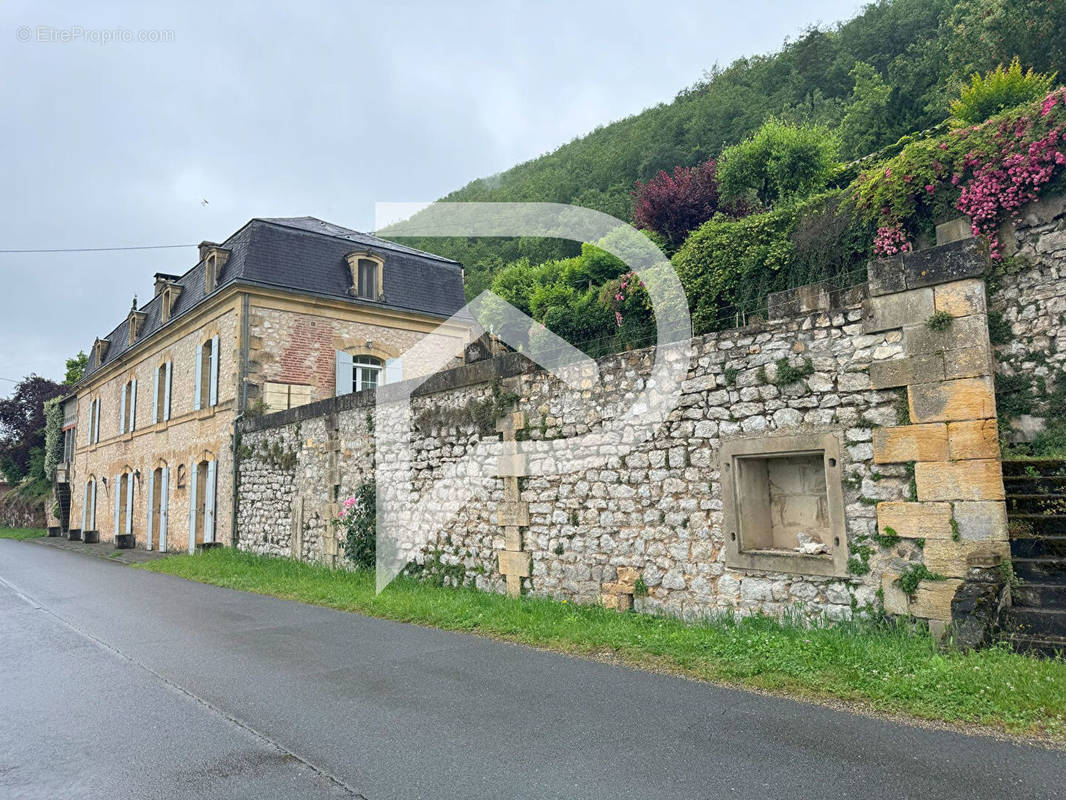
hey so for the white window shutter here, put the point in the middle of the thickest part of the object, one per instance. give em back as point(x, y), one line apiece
point(155, 396)
point(92, 511)
point(343, 381)
point(192, 507)
point(85, 509)
point(114, 491)
point(129, 504)
point(133, 405)
point(166, 392)
point(96, 427)
point(151, 497)
point(393, 370)
point(199, 377)
point(122, 410)
point(209, 502)
point(213, 388)
point(164, 501)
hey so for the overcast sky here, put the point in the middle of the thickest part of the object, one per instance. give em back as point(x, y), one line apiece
point(301, 108)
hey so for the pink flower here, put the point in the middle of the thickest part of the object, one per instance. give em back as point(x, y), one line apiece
point(930, 188)
point(618, 318)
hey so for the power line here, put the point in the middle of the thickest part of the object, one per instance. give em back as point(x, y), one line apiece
point(99, 249)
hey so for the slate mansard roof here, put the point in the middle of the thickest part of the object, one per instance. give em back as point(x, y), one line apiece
point(307, 256)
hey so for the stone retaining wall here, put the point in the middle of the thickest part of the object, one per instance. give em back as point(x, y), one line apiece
point(903, 414)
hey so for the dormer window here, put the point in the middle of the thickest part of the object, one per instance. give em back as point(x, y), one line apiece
point(367, 276)
point(214, 258)
point(100, 350)
point(136, 322)
point(170, 294)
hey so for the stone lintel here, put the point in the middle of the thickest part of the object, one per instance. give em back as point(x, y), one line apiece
point(897, 445)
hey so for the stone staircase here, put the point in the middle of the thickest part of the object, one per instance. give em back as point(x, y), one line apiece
point(1036, 516)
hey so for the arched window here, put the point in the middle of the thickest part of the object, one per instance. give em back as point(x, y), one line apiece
point(366, 372)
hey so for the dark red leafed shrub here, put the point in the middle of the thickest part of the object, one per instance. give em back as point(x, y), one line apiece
point(675, 205)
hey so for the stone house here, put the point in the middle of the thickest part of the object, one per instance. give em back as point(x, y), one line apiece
point(284, 312)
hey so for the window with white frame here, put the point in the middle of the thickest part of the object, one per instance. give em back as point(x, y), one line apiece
point(205, 394)
point(161, 392)
point(127, 414)
point(88, 506)
point(94, 421)
point(359, 372)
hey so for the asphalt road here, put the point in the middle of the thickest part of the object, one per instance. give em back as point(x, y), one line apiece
point(123, 683)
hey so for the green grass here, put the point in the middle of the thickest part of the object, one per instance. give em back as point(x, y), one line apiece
point(877, 666)
point(22, 533)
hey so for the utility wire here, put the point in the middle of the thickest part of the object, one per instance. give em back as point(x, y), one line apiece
point(100, 249)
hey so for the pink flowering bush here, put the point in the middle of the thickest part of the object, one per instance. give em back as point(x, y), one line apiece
point(358, 520)
point(986, 171)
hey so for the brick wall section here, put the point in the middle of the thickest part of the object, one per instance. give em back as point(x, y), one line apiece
point(299, 347)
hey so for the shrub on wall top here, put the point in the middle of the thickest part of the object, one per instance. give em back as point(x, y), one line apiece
point(999, 90)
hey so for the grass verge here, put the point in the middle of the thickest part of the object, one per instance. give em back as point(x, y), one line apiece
point(22, 533)
point(879, 666)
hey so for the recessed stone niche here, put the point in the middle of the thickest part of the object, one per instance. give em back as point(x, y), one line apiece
point(783, 504)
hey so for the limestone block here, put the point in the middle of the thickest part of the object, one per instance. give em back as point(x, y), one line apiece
point(885, 275)
point(954, 230)
point(963, 399)
point(963, 332)
point(924, 368)
point(627, 577)
point(953, 559)
point(932, 600)
point(962, 298)
point(911, 443)
point(512, 465)
point(897, 310)
point(968, 362)
point(967, 258)
point(514, 562)
point(896, 602)
point(513, 514)
point(959, 480)
point(915, 520)
point(981, 521)
point(977, 438)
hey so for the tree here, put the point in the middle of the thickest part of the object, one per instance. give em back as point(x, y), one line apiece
point(76, 368)
point(865, 125)
point(675, 205)
point(779, 162)
point(22, 426)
